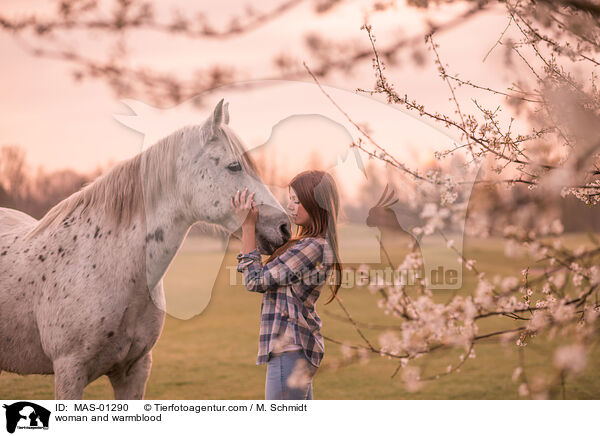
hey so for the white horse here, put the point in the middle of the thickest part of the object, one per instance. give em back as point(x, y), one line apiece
point(81, 291)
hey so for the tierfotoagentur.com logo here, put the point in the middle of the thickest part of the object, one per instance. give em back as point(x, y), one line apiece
point(24, 415)
point(373, 278)
point(406, 232)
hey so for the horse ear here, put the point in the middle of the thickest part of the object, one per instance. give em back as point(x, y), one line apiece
point(217, 118)
point(226, 113)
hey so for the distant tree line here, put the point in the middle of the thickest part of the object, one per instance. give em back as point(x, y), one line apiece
point(35, 192)
point(493, 202)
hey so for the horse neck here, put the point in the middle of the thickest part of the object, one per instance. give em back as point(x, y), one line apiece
point(166, 226)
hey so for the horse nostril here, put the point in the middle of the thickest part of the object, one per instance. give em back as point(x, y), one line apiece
point(285, 231)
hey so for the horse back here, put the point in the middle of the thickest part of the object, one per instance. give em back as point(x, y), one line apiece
point(12, 219)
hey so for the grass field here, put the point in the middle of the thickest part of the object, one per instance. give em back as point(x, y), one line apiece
point(212, 355)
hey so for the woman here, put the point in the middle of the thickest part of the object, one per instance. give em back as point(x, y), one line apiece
point(291, 280)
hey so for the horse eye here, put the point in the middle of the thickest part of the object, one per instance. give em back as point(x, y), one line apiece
point(234, 167)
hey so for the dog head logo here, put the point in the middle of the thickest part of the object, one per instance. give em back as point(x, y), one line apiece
point(26, 415)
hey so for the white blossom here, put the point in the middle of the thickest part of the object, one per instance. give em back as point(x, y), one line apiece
point(523, 390)
point(571, 358)
point(411, 378)
point(516, 373)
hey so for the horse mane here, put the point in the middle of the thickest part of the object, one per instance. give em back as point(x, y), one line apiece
point(126, 189)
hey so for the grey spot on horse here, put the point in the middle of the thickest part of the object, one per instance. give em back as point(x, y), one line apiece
point(42, 258)
point(26, 250)
point(43, 277)
point(97, 231)
point(75, 237)
point(19, 278)
point(216, 203)
point(4, 253)
point(110, 334)
point(158, 235)
point(102, 319)
point(94, 266)
point(60, 249)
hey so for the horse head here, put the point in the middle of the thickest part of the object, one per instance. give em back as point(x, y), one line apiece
point(212, 167)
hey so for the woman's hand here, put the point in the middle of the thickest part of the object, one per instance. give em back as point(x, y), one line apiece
point(245, 208)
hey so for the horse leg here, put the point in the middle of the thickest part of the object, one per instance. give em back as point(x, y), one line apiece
point(69, 378)
point(130, 383)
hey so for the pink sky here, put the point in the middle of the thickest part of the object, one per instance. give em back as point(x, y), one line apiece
point(66, 124)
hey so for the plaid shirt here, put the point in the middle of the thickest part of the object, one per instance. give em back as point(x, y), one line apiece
point(291, 284)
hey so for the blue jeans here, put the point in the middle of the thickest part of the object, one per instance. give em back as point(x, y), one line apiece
point(280, 386)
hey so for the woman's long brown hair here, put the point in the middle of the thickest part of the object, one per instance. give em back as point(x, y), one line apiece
point(318, 194)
